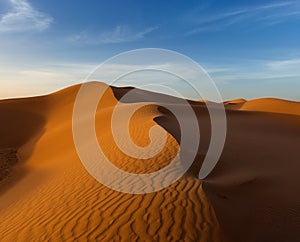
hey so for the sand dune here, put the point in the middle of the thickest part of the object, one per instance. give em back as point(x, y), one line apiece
point(53, 197)
point(254, 186)
point(273, 105)
point(251, 195)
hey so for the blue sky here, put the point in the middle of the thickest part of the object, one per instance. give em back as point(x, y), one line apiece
point(250, 49)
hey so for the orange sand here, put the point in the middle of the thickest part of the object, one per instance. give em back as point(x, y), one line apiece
point(251, 195)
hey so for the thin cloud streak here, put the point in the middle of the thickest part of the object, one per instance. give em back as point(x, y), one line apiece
point(284, 64)
point(266, 15)
point(259, 71)
point(24, 18)
point(119, 34)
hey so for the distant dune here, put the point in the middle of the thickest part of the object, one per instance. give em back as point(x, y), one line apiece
point(251, 195)
point(272, 105)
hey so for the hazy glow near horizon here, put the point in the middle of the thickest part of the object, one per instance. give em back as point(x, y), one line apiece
point(250, 50)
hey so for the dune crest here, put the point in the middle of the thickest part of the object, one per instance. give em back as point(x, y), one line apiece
point(55, 198)
point(235, 101)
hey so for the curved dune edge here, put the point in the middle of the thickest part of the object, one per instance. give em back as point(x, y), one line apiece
point(236, 101)
point(53, 197)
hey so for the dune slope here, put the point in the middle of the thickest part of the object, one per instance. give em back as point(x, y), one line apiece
point(48, 194)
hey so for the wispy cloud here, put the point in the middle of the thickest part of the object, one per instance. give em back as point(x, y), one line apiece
point(218, 70)
point(262, 75)
point(284, 64)
point(266, 15)
point(119, 34)
point(23, 17)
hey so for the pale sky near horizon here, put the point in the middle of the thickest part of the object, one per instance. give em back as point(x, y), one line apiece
point(250, 49)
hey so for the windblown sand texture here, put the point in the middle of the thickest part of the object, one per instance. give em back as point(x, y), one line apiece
point(46, 193)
